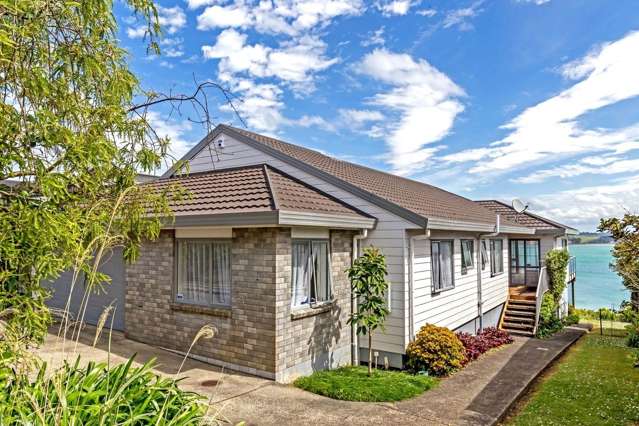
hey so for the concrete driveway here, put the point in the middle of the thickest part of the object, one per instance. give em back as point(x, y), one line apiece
point(468, 397)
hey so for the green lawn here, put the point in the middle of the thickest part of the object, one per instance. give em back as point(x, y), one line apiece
point(594, 384)
point(353, 384)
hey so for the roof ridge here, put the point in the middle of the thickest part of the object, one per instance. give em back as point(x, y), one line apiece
point(270, 186)
point(344, 161)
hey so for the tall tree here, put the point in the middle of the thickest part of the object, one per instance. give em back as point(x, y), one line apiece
point(368, 281)
point(72, 141)
point(625, 232)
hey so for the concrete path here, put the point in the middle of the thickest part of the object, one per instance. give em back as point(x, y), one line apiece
point(478, 395)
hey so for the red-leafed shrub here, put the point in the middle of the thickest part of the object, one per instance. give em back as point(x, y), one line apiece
point(489, 338)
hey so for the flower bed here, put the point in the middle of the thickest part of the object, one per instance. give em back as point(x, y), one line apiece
point(481, 343)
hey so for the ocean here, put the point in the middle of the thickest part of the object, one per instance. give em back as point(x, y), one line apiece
point(596, 286)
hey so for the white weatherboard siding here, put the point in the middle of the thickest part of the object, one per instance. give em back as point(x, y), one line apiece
point(454, 307)
point(388, 235)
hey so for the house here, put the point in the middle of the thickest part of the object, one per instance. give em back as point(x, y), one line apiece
point(262, 248)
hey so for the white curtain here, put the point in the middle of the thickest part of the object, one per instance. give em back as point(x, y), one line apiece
point(445, 249)
point(204, 272)
point(301, 273)
point(320, 280)
point(434, 254)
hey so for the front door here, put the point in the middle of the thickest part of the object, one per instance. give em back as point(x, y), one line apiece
point(524, 262)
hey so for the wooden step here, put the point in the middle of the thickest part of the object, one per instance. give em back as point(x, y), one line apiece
point(521, 333)
point(518, 314)
point(521, 320)
point(517, 326)
point(524, 297)
point(522, 302)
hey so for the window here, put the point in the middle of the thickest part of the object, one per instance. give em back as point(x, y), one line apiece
point(484, 254)
point(203, 272)
point(564, 243)
point(496, 257)
point(467, 253)
point(311, 272)
point(442, 265)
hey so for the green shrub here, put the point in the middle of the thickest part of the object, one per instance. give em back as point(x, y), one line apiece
point(571, 319)
point(548, 308)
point(633, 335)
point(436, 350)
point(94, 395)
point(557, 264)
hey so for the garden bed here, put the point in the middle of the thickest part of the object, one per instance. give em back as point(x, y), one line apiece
point(354, 384)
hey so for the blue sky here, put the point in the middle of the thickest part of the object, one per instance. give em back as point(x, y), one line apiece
point(535, 99)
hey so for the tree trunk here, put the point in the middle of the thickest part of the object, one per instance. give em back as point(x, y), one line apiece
point(370, 354)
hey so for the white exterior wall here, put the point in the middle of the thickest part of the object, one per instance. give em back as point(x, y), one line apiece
point(454, 307)
point(389, 234)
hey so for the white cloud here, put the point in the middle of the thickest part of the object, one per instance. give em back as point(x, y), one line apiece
point(260, 105)
point(171, 19)
point(294, 63)
point(425, 99)
point(194, 4)
point(429, 13)
point(590, 165)
point(460, 17)
point(223, 17)
point(395, 7)
point(357, 117)
point(583, 207)
point(313, 121)
point(375, 38)
point(175, 130)
point(550, 130)
point(290, 17)
point(537, 2)
point(136, 32)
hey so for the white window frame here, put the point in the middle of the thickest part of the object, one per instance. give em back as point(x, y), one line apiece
point(329, 290)
point(485, 258)
point(467, 263)
point(178, 278)
point(436, 286)
point(493, 262)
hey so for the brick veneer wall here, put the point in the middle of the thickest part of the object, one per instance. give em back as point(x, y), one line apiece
point(258, 334)
point(318, 341)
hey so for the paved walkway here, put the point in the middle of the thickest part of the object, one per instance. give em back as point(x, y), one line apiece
point(478, 395)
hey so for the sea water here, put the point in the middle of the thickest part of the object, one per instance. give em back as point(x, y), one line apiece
point(597, 286)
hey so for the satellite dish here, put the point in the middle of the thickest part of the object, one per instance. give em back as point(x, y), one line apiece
point(519, 206)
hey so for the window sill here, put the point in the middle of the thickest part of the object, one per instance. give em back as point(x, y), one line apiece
point(299, 313)
point(497, 274)
point(442, 290)
point(224, 312)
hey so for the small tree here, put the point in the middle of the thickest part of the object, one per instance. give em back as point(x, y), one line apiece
point(625, 232)
point(368, 281)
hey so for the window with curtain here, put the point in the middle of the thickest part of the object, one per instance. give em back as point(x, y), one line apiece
point(484, 254)
point(203, 272)
point(311, 279)
point(467, 255)
point(496, 257)
point(442, 265)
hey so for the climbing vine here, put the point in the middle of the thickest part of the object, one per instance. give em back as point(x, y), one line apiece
point(556, 264)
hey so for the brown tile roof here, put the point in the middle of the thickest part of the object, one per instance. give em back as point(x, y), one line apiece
point(258, 188)
point(420, 198)
point(526, 219)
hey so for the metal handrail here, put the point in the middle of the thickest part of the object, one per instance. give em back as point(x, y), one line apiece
point(542, 288)
point(572, 268)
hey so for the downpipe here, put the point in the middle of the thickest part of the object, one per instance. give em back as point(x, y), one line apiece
point(480, 297)
point(411, 282)
point(354, 337)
